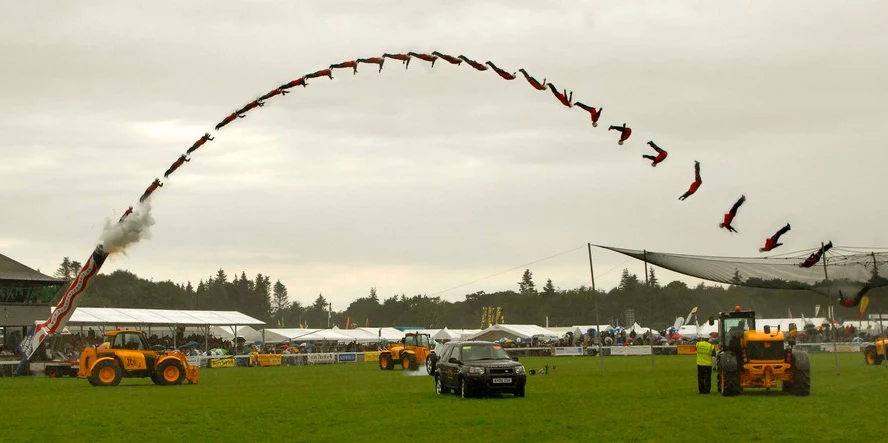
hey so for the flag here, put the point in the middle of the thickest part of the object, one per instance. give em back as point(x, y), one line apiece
point(864, 302)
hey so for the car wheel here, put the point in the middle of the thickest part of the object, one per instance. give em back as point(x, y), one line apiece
point(440, 389)
point(430, 364)
point(519, 391)
point(464, 389)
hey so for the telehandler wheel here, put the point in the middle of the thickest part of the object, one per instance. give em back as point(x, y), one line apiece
point(106, 373)
point(386, 362)
point(871, 356)
point(801, 365)
point(170, 372)
point(409, 363)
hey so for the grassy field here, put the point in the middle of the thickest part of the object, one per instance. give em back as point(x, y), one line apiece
point(358, 402)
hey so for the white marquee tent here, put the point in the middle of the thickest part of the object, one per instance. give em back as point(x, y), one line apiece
point(512, 332)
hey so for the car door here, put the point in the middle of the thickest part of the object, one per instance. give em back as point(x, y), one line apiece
point(445, 368)
point(452, 369)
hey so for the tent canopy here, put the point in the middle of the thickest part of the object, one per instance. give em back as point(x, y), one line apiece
point(512, 332)
point(390, 334)
point(454, 334)
point(158, 317)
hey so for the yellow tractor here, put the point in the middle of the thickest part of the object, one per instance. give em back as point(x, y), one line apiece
point(407, 353)
point(749, 358)
point(874, 354)
point(128, 355)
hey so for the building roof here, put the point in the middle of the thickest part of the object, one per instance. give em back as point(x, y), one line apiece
point(13, 272)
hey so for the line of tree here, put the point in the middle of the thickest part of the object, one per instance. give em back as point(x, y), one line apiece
point(644, 300)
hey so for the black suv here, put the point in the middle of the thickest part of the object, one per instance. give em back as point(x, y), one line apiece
point(475, 368)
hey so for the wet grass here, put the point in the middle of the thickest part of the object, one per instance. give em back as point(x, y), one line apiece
point(358, 402)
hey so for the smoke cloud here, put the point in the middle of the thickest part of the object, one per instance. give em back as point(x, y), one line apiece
point(117, 236)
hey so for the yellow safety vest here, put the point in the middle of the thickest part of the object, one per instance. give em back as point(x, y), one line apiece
point(704, 353)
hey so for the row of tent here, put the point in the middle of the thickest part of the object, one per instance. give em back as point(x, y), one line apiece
point(229, 325)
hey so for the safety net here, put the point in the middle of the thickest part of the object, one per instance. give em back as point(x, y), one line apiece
point(826, 269)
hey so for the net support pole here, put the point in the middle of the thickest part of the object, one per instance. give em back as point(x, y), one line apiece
point(876, 276)
point(832, 312)
point(647, 284)
point(597, 321)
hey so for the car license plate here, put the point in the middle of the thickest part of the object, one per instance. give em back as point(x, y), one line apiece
point(502, 380)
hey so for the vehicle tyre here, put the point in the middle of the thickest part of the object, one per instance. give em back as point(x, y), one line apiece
point(729, 375)
point(430, 363)
point(155, 379)
point(385, 362)
point(106, 373)
point(408, 362)
point(871, 356)
point(464, 389)
point(786, 387)
point(440, 389)
point(519, 391)
point(171, 372)
point(801, 369)
point(52, 372)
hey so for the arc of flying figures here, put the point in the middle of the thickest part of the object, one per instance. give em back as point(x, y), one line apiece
point(564, 96)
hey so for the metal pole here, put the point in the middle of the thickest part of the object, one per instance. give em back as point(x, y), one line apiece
point(647, 284)
point(832, 313)
point(597, 321)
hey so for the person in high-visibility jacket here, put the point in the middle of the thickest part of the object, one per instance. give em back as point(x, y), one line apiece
point(705, 351)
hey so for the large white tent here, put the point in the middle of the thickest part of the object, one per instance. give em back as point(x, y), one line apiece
point(454, 334)
point(385, 333)
point(158, 317)
point(512, 332)
point(304, 335)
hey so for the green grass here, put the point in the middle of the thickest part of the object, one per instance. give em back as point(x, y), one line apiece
point(358, 402)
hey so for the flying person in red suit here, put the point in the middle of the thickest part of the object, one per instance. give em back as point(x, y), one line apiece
point(815, 257)
point(126, 214)
point(533, 82)
point(403, 57)
point(373, 60)
point(206, 137)
point(298, 82)
point(501, 72)
point(272, 93)
point(322, 73)
point(425, 57)
point(772, 241)
point(729, 216)
point(151, 188)
point(624, 132)
point(696, 184)
point(594, 114)
point(661, 154)
point(179, 162)
point(473, 63)
point(562, 96)
point(449, 58)
point(353, 64)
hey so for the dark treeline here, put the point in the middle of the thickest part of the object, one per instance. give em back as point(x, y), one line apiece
point(645, 300)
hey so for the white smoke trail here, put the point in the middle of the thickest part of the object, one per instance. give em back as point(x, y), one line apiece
point(117, 236)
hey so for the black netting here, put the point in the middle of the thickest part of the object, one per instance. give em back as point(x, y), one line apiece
point(837, 269)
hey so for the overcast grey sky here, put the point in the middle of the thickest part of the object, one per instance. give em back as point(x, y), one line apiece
point(420, 180)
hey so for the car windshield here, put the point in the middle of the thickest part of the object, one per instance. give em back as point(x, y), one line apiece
point(483, 352)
